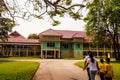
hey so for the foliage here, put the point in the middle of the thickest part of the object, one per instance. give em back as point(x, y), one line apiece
point(103, 23)
point(29, 9)
point(17, 70)
point(33, 36)
point(6, 23)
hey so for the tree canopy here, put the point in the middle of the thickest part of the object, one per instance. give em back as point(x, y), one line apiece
point(29, 9)
point(33, 36)
point(6, 23)
point(103, 21)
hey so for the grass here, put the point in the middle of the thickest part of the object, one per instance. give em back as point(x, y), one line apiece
point(71, 58)
point(116, 69)
point(17, 70)
point(20, 58)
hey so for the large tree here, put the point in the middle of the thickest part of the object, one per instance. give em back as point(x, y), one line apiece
point(103, 21)
point(6, 23)
point(29, 9)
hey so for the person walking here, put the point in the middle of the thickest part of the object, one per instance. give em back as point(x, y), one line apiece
point(85, 61)
point(102, 69)
point(109, 70)
point(93, 66)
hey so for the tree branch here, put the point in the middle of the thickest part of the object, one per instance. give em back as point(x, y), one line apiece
point(6, 8)
point(81, 5)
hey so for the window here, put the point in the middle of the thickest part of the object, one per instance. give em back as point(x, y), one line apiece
point(51, 44)
point(65, 45)
point(78, 45)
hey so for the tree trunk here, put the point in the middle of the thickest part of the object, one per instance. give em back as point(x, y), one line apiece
point(117, 47)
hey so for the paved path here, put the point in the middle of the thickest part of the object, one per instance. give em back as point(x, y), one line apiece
point(54, 69)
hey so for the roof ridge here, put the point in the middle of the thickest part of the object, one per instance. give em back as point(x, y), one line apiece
point(46, 30)
point(17, 33)
point(57, 32)
point(54, 31)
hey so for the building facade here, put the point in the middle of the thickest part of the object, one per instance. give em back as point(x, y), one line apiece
point(53, 44)
point(69, 44)
point(17, 45)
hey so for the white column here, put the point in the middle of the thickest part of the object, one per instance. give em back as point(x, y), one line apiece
point(41, 54)
point(46, 54)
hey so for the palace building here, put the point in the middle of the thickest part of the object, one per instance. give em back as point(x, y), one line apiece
point(17, 45)
point(52, 44)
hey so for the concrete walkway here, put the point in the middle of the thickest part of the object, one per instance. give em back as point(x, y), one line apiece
point(56, 69)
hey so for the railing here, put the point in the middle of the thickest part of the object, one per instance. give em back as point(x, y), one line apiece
point(23, 50)
point(106, 49)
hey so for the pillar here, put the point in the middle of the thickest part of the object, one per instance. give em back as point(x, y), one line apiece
point(19, 51)
point(27, 51)
point(41, 53)
point(59, 54)
point(46, 54)
point(11, 51)
point(34, 51)
point(3, 52)
point(55, 54)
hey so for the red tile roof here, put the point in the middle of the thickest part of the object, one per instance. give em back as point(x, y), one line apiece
point(64, 33)
point(15, 37)
point(71, 34)
point(50, 32)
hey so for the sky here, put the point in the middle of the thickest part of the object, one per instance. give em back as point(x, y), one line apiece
point(37, 26)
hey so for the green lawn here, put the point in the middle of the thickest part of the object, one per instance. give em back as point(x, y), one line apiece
point(116, 69)
point(19, 58)
point(17, 70)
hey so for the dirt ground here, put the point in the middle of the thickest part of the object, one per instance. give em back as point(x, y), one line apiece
point(56, 69)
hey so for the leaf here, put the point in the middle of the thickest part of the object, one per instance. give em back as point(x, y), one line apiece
point(55, 23)
point(68, 2)
point(76, 15)
point(60, 13)
point(52, 13)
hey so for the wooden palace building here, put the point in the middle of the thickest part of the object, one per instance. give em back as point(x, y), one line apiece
point(52, 44)
point(17, 45)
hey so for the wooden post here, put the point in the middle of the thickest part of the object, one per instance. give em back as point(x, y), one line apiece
point(54, 54)
point(19, 51)
point(41, 53)
point(27, 51)
point(46, 54)
point(34, 51)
